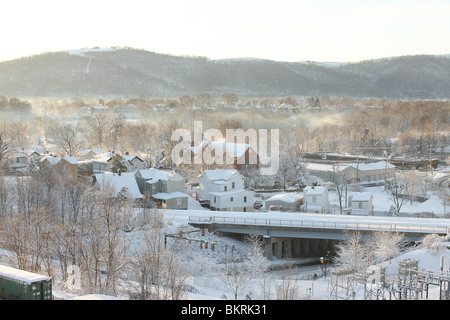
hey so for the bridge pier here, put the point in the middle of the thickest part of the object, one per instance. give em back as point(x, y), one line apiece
point(292, 247)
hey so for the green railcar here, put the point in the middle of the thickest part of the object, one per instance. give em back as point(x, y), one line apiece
point(16, 284)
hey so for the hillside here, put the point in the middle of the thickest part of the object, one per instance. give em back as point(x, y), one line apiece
point(133, 72)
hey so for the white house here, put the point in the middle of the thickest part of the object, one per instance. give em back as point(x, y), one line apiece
point(236, 154)
point(87, 154)
point(223, 190)
point(166, 187)
point(133, 162)
point(361, 203)
point(118, 182)
point(315, 199)
point(352, 172)
point(100, 162)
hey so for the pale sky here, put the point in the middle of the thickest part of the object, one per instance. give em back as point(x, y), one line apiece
point(282, 30)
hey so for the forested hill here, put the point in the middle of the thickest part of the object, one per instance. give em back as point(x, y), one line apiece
point(132, 72)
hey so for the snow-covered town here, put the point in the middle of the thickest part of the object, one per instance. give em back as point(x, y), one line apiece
point(151, 214)
point(218, 157)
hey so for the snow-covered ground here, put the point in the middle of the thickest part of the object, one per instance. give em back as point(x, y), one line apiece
point(209, 286)
point(307, 278)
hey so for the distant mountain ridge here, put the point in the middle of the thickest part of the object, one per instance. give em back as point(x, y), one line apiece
point(127, 72)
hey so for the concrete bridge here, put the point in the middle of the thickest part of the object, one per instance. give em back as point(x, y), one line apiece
point(311, 234)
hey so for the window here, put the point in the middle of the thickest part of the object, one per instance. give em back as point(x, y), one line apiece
point(245, 198)
point(179, 201)
point(360, 205)
point(232, 185)
point(225, 188)
point(314, 200)
point(214, 199)
point(231, 199)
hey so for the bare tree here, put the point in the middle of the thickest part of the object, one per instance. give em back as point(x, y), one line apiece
point(6, 197)
point(24, 237)
point(256, 261)
point(386, 245)
point(397, 190)
point(287, 288)
point(156, 269)
point(68, 139)
point(353, 252)
point(7, 141)
point(235, 277)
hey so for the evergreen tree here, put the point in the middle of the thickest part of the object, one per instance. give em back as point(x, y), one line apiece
point(117, 163)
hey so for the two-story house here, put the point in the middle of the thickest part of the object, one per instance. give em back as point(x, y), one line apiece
point(62, 165)
point(133, 162)
point(236, 155)
point(223, 190)
point(167, 188)
point(315, 199)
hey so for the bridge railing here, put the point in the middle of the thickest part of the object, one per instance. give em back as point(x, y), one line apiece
point(340, 225)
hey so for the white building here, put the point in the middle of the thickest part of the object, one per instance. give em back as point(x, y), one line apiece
point(101, 162)
point(115, 183)
point(223, 190)
point(133, 162)
point(352, 172)
point(361, 203)
point(166, 187)
point(315, 199)
point(284, 202)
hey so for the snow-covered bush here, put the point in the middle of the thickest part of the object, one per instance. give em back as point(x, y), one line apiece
point(433, 243)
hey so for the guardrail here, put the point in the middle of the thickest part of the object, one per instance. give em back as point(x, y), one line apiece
point(363, 226)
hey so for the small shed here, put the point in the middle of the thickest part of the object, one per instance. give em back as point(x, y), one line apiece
point(361, 203)
point(284, 202)
point(315, 199)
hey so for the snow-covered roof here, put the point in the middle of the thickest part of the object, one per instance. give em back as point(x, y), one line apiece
point(316, 190)
point(235, 150)
point(71, 160)
point(55, 160)
point(371, 166)
point(380, 165)
point(325, 167)
point(19, 154)
point(130, 158)
point(85, 152)
point(21, 275)
point(361, 196)
point(118, 182)
point(156, 175)
point(219, 174)
point(286, 197)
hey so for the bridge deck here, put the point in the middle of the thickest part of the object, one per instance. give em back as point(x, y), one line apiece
point(333, 222)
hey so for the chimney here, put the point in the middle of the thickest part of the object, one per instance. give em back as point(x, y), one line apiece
point(119, 172)
point(127, 153)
